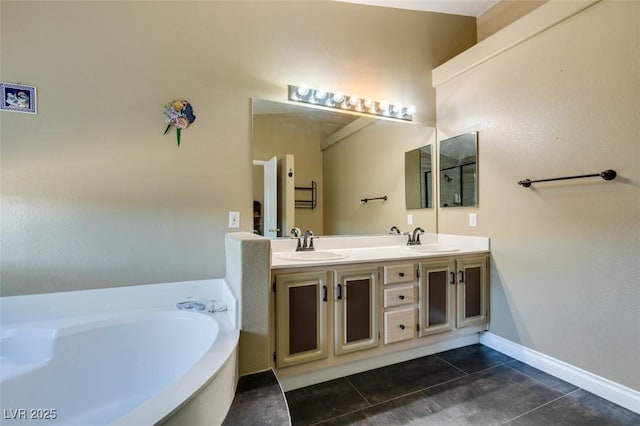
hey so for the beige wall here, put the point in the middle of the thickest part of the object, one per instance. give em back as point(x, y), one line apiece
point(369, 164)
point(565, 270)
point(93, 195)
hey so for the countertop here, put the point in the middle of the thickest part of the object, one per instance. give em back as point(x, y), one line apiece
point(376, 248)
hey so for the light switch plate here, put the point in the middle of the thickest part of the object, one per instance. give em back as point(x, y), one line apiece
point(234, 219)
point(473, 220)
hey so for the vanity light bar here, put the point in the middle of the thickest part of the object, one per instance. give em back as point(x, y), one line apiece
point(353, 103)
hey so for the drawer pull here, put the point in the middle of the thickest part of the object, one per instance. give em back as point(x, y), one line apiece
point(453, 277)
point(401, 274)
point(401, 326)
point(401, 297)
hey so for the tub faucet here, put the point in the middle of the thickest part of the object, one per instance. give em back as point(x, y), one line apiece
point(395, 230)
point(194, 305)
point(307, 243)
point(414, 239)
point(191, 305)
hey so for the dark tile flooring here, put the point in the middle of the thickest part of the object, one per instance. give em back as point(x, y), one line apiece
point(473, 385)
point(258, 401)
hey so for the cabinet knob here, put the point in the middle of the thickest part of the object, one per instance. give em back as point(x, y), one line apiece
point(401, 274)
point(401, 326)
point(401, 297)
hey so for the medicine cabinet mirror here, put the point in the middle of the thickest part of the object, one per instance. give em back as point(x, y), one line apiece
point(418, 178)
point(458, 171)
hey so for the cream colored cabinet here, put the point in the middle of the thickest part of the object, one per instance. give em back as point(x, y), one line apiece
point(301, 317)
point(471, 290)
point(331, 315)
point(399, 318)
point(437, 296)
point(356, 310)
point(453, 293)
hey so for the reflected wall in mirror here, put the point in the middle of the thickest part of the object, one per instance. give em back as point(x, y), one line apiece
point(458, 171)
point(418, 178)
point(349, 157)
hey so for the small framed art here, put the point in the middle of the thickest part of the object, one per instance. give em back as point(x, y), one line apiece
point(18, 98)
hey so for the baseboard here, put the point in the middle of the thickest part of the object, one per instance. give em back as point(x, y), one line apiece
point(604, 388)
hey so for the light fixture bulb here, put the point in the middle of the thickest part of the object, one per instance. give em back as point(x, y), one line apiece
point(354, 100)
point(397, 109)
point(320, 95)
point(368, 103)
point(337, 97)
point(383, 106)
point(411, 109)
point(302, 91)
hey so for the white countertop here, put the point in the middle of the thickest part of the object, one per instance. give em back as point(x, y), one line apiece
point(375, 248)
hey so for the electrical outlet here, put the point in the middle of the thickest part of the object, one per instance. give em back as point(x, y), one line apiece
point(234, 219)
point(473, 220)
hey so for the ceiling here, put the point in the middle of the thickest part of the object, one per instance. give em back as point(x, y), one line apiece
point(454, 7)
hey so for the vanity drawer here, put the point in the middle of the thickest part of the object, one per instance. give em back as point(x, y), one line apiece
point(399, 273)
point(399, 325)
point(398, 296)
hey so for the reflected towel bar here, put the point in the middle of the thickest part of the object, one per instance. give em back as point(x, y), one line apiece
point(606, 175)
point(366, 200)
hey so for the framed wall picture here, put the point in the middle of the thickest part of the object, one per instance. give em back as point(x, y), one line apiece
point(18, 98)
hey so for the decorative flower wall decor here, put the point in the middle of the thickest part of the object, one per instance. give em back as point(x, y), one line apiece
point(178, 113)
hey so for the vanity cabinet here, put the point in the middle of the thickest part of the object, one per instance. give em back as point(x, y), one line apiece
point(452, 293)
point(356, 310)
point(301, 317)
point(330, 316)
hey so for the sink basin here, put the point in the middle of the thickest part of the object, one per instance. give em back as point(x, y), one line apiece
point(311, 255)
point(432, 248)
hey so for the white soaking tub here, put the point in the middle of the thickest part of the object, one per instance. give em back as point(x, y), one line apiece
point(135, 365)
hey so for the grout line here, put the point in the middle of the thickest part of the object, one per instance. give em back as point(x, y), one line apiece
point(537, 408)
point(447, 362)
point(356, 389)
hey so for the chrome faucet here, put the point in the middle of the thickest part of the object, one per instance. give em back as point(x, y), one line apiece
point(307, 243)
point(395, 229)
point(414, 239)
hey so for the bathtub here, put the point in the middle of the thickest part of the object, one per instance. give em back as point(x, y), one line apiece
point(122, 356)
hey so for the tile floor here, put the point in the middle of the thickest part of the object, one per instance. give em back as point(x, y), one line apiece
point(473, 385)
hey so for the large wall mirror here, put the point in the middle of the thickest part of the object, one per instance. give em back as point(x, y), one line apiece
point(458, 171)
point(326, 163)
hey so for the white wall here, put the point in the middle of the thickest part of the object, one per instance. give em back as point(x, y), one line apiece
point(93, 195)
point(565, 255)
